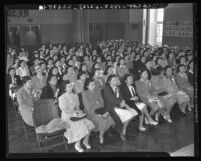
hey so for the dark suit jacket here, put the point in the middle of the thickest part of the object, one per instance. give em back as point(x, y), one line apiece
point(18, 80)
point(47, 92)
point(127, 95)
point(112, 101)
point(190, 78)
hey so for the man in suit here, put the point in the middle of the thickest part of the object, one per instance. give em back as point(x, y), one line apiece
point(113, 99)
point(131, 98)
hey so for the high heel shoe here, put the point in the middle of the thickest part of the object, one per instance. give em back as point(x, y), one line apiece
point(142, 129)
point(87, 145)
point(146, 121)
point(167, 118)
point(156, 117)
point(152, 122)
point(79, 149)
point(101, 140)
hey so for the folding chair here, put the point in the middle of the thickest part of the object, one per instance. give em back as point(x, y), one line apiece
point(44, 111)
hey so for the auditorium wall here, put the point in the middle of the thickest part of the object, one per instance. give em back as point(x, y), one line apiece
point(54, 25)
point(178, 12)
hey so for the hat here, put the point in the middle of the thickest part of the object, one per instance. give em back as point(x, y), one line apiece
point(38, 68)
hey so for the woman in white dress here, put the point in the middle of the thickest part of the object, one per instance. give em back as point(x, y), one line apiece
point(69, 105)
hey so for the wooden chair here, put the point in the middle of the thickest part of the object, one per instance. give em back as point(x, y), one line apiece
point(45, 111)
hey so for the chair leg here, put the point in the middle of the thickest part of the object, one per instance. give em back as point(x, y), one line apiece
point(66, 147)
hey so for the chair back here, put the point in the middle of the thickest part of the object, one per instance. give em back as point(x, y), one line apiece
point(44, 111)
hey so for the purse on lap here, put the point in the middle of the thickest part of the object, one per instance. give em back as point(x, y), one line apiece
point(78, 117)
point(163, 94)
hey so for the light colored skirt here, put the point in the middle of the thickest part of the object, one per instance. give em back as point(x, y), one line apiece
point(78, 129)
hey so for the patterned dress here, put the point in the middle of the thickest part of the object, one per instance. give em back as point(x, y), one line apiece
point(78, 129)
point(92, 101)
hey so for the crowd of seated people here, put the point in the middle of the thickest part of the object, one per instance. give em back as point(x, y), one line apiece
point(120, 79)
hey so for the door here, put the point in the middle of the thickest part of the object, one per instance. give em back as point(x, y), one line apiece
point(95, 33)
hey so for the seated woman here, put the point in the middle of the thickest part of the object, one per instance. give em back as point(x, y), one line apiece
point(79, 83)
point(183, 83)
point(129, 94)
point(23, 69)
point(146, 93)
point(172, 88)
point(25, 101)
point(109, 71)
point(69, 105)
point(92, 100)
point(159, 87)
point(120, 112)
point(121, 68)
point(98, 78)
point(51, 90)
point(39, 80)
point(71, 74)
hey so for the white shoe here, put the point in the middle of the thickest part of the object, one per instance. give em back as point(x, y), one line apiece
point(142, 129)
point(156, 117)
point(87, 145)
point(167, 118)
point(153, 122)
point(79, 149)
point(146, 121)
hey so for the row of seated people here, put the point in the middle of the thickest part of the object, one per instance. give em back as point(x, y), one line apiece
point(123, 93)
point(123, 101)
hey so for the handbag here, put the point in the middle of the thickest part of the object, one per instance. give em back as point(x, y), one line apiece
point(163, 93)
point(102, 112)
point(77, 118)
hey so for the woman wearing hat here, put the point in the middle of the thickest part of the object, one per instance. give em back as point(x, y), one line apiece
point(23, 70)
point(39, 80)
point(25, 101)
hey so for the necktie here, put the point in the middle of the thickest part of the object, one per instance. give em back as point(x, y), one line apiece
point(132, 91)
point(117, 92)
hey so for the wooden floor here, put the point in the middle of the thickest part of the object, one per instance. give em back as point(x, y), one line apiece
point(186, 151)
point(165, 137)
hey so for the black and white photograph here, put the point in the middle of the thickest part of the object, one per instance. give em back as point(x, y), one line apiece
point(105, 78)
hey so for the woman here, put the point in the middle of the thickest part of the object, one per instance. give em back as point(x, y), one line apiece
point(39, 80)
point(98, 78)
point(109, 71)
point(183, 83)
point(120, 112)
point(25, 101)
point(51, 90)
point(121, 68)
point(69, 105)
point(128, 91)
point(159, 87)
point(71, 74)
point(172, 88)
point(93, 100)
point(79, 83)
point(23, 70)
point(147, 94)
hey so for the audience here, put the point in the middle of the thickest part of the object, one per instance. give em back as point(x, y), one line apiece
point(123, 78)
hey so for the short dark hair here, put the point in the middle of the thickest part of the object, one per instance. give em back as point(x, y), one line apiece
point(25, 79)
point(81, 73)
point(87, 82)
point(10, 68)
point(110, 78)
point(179, 66)
point(126, 76)
point(20, 62)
